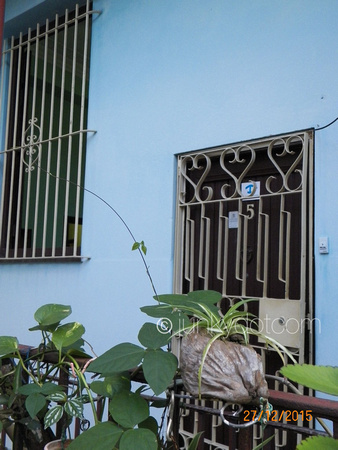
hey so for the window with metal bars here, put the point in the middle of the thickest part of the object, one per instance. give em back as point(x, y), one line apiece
point(44, 97)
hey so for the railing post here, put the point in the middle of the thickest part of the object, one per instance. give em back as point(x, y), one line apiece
point(335, 429)
point(245, 438)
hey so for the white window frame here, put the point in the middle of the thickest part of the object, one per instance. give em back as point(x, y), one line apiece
point(44, 95)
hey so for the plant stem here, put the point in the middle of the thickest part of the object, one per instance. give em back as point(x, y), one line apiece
point(23, 365)
point(83, 381)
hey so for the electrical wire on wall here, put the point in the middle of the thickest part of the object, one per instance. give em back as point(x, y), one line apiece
point(328, 125)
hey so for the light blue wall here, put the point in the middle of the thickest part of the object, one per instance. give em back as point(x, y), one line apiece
point(168, 76)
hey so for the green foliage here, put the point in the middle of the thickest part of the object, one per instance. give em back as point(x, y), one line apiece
point(46, 402)
point(51, 314)
point(201, 307)
point(138, 439)
point(34, 403)
point(102, 436)
point(111, 385)
point(74, 408)
point(266, 441)
point(159, 368)
point(53, 415)
point(140, 246)
point(319, 378)
point(68, 334)
point(150, 423)
point(119, 358)
point(318, 443)
point(128, 409)
point(8, 345)
point(150, 337)
point(195, 441)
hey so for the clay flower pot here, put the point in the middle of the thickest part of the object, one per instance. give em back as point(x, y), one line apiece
point(231, 371)
point(57, 445)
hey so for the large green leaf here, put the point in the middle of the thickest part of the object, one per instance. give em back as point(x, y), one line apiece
point(8, 344)
point(51, 388)
point(52, 313)
point(319, 378)
point(111, 385)
point(119, 358)
point(206, 297)
point(159, 368)
point(34, 403)
point(157, 310)
point(128, 409)
point(28, 389)
point(170, 321)
point(67, 334)
point(46, 389)
point(138, 439)
point(171, 299)
point(50, 328)
point(150, 336)
point(150, 423)
point(318, 443)
point(102, 436)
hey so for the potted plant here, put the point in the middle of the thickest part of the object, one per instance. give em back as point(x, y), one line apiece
point(216, 359)
point(31, 397)
point(34, 401)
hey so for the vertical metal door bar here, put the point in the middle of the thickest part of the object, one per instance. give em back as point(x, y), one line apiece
point(180, 232)
point(284, 246)
point(222, 248)
point(265, 246)
point(304, 244)
point(309, 246)
point(204, 248)
point(189, 250)
point(239, 242)
point(245, 255)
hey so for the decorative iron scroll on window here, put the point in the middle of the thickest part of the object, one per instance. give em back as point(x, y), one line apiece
point(31, 145)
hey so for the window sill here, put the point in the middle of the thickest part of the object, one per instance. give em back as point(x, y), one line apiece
point(46, 259)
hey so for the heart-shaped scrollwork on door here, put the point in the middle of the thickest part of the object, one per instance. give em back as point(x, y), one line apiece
point(192, 163)
point(292, 169)
point(243, 155)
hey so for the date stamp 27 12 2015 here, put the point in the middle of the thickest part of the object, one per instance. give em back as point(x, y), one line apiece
point(277, 416)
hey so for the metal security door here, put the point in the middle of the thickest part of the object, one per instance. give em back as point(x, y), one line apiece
point(244, 228)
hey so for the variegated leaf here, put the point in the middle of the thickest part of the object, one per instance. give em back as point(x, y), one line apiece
point(53, 416)
point(57, 397)
point(74, 408)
